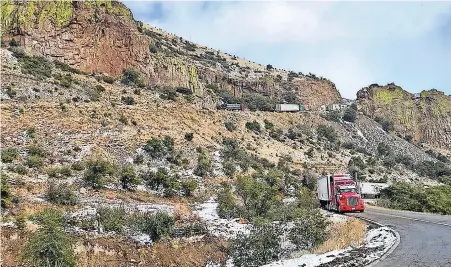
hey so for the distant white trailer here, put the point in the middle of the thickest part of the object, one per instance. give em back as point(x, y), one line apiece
point(287, 107)
point(371, 190)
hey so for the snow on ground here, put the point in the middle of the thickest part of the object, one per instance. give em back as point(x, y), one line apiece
point(334, 217)
point(377, 242)
point(217, 226)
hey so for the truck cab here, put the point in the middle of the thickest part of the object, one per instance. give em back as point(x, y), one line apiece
point(338, 192)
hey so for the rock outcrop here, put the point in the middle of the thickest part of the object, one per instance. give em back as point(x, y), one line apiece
point(103, 37)
point(424, 117)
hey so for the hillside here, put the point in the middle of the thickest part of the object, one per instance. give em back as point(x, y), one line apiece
point(139, 168)
point(103, 37)
point(423, 118)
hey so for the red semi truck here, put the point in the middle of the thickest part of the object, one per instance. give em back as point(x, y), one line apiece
point(338, 192)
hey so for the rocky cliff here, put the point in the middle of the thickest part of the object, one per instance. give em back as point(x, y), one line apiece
point(423, 118)
point(103, 37)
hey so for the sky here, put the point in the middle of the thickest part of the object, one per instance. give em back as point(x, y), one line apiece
point(354, 43)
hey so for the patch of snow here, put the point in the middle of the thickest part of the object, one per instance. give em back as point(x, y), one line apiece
point(334, 217)
point(10, 224)
point(308, 260)
point(361, 135)
point(142, 238)
point(217, 226)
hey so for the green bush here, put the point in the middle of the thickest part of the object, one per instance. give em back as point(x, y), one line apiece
point(99, 173)
point(189, 186)
point(333, 116)
point(61, 194)
point(21, 169)
point(108, 79)
point(6, 195)
point(229, 168)
point(64, 80)
point(168, 93)
point(253, 126)
point(37, 66)
point(230, 126)
point(309, 231)
point(268, 125)
point(131, 77)
point(36, 151)
point(387, 125)
point(327, 132)
point(78, 166)
point(157, 225)
point(112, 219)
point(50, 245)
point(65, 171)
point(9, 155)
point(260, 247)
point(128, 178)
point(227, 203)
point(204, 167)
point(65, 67)
point(350, 115)
point(162, 180)
point(383, 149)
point(34, 161)
point(158, 148)
point(128, 100)
point(189, 136)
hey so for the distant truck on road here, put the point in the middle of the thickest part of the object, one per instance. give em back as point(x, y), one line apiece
point(370, 190)
point(289, 107)
point(339, 192)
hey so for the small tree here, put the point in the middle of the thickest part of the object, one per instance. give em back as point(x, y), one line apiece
point(189, 186)
point(157, 225)
point(260, 247)
point(189, 136)
point(227, 207)
point(99, 173)
point(128, 179)
point(203, 167)
point(309, 231)
point(131, 77)
point(350, 115)
point(61, 194)
point(50, 245)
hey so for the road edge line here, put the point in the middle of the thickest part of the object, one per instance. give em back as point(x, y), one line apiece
point(392, 248)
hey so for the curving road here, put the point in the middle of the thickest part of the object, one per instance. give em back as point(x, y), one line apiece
point(425, 238)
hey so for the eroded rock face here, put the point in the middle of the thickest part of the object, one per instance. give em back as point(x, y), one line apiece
point(426, 117)
point(103, 37)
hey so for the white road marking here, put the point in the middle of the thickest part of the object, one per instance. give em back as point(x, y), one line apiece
point(413, 219)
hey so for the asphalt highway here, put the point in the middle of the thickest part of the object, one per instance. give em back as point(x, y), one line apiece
point(425, 238)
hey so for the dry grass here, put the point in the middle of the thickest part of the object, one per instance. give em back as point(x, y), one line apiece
point(343, 235)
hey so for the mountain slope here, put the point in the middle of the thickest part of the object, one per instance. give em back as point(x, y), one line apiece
point(103, 37)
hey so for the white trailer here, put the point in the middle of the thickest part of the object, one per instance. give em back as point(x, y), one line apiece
point(371, 190)
point(287, 107)
point(323, 190)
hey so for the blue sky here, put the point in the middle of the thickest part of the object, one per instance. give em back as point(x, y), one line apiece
point(353, 44)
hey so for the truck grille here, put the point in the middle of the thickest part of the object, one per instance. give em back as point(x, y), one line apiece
point(352, 201)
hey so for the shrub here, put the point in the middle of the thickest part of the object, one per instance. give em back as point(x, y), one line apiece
point(37, 66)
point(78, 166)
point(65, 67)
point(327, 132)
point(108, 79)
point(64, 80)
point(128, 100)
point(6, 195)
point(158, 148)
point(230, 126)
point(253, 126)
point(383, 149)
point(131, 77)
point(128, 178)
point(65, 171)
point(61, 194)
point(333, 116)
point(98, 173)
point(268, 125)
point(139, 159)
point(157, 225)
point(203, 167)
point(227, 206)
point(189, 186)
point(36, 151)
point(189, 136)
point(348, 145)
point(50, 245)
point(20, 169)
point(168, 93)
point(350, 115)
point(161, 180)
point(10, 92)
point(229, 168)
point(34, 161)
point(260, 247)
point(309, 230)
point(387, 125)
point(257, 102)
point(9, 155)
point(123, 119)
point(112, 219)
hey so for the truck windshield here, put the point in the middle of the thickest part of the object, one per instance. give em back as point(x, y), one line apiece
point(345, 190)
